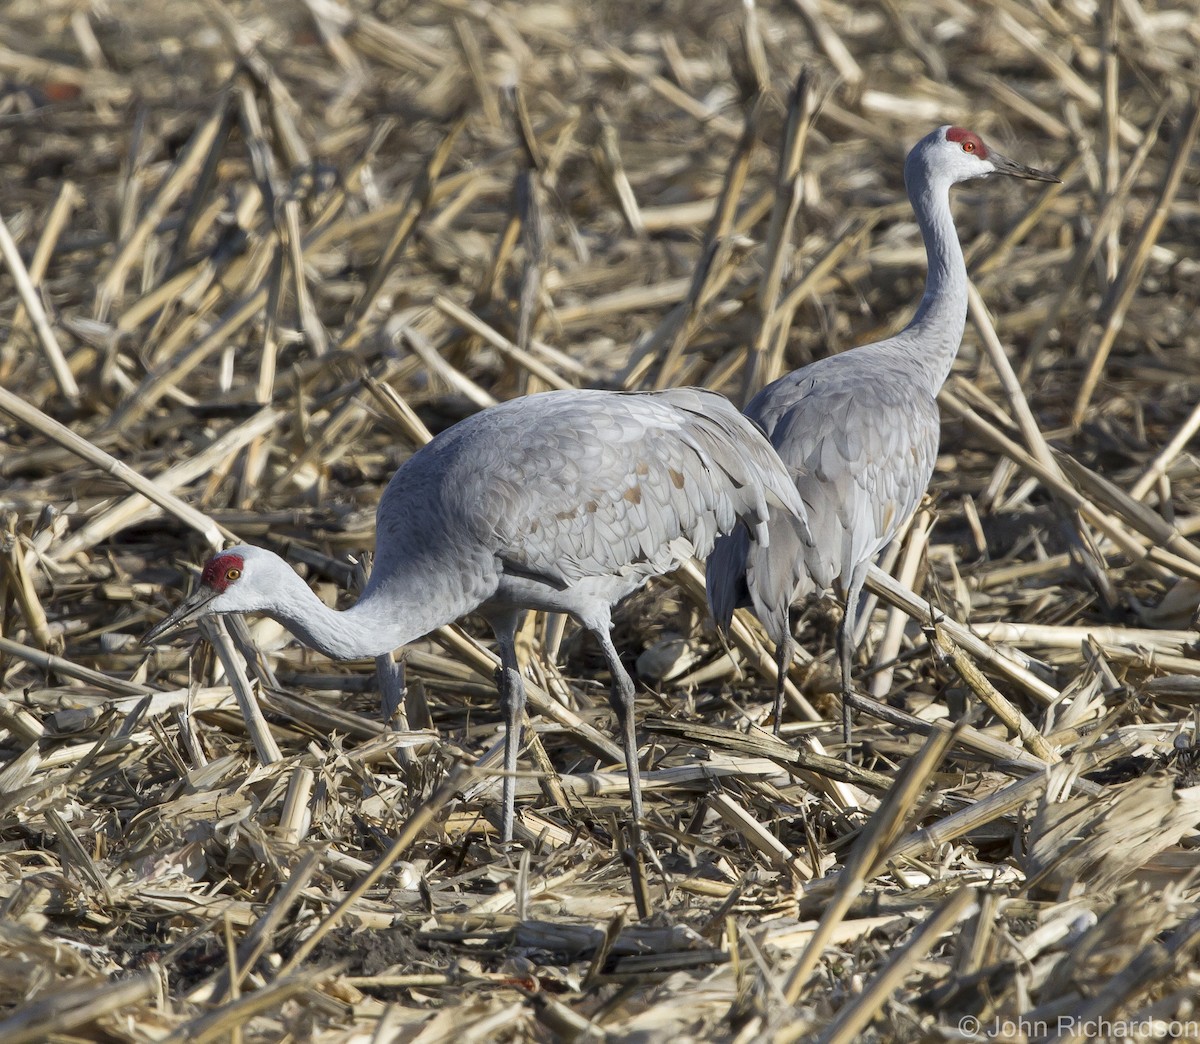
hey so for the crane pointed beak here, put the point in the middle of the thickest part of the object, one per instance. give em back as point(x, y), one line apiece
point(189, 610)
point(1014, 169)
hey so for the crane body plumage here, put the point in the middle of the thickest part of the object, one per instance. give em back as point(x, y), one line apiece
point(859, 431)
point(564, 501)
point(861, 455)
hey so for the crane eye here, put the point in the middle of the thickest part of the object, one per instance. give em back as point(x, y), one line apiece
point(233, 574)
point(968, 146)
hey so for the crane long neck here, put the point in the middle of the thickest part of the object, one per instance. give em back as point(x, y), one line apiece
point(938, 325)
point(360, 631)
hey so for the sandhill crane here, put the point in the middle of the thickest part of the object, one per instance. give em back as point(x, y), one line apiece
point(565, 501)
point(859, 431)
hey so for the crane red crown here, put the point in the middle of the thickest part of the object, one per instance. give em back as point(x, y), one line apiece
point(217, 569)
point(966, 137)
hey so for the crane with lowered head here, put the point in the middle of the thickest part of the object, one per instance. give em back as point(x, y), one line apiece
point(565, 501)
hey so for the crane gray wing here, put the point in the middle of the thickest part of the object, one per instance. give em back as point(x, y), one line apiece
point(586, 484)
point(861, 453)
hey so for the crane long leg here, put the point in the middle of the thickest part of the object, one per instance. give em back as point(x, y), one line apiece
point(846, 646)
point(622, 703)
point(393, 690)
point(391, 687)
point(785, 648)
point(845, 642)
point(512, 705)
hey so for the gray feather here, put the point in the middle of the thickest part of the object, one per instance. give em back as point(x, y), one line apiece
point(860, 452)
point(572, 499)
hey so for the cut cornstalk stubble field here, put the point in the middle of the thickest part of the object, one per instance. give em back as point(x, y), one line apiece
point(253, 255)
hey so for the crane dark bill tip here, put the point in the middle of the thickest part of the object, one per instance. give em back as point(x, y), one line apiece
point(1033, 174)
point(156, 632)
point(183, 614)
point(1014, 169)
